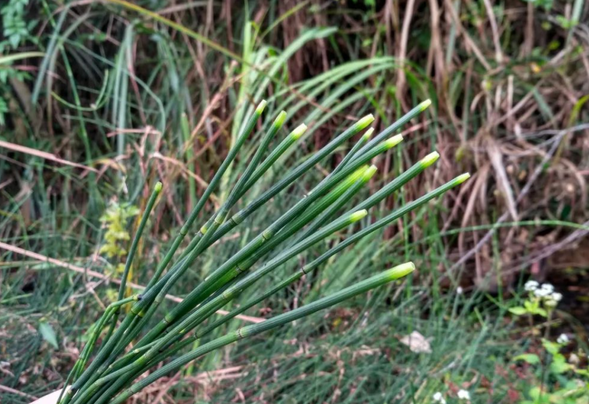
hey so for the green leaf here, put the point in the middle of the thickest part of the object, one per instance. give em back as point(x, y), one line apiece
point(552, 347)
point(518, 311)
point(541, 312)
point(532, 359)
point(48, 334)
point(559, 365)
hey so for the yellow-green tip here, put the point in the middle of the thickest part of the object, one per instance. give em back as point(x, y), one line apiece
point(261, 107)
point(357, 174)
point(158, 187)
point(393, 141)
point(401, 270)
point(425, 105)
point(461, 178)
point(367, 175)
point(368, 133)
point(361, 214)
point(430, 159)
point(364, 122)
point(279, 121)
point(299, 130)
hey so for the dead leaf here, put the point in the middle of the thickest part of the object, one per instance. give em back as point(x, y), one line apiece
point(417, 342)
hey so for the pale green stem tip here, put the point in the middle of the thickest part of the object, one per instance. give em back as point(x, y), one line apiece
point(364, 122)
point(354, 217)
point(461, 178)
point(430, 159)
point(261, 107)
point(299, 130)
point(368, 133)
point(158, 187)
point(401, 270)
point(392, 142)
point(279, 121)
point(425, 105)
point(368, 173)
point(357, 174)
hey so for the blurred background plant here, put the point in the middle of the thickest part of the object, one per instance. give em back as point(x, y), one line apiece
point(102, 98)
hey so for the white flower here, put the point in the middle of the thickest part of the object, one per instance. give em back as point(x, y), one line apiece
point(463, 395)
point(557, 297)
point(548, 287)
point(530, 286)
point(562, 339)
point(542, 292)
point(459, 290)
point(439, 398)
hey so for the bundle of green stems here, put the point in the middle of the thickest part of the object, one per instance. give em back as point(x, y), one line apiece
point(136, 343)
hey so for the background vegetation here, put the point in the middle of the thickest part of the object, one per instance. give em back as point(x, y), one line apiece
point(92, 99)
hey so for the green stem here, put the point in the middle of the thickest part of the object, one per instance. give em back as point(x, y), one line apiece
point(255, 329)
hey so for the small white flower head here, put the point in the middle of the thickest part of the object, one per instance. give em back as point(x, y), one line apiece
point(542, 292)
point(548, 287)
point(439, 398)
point(557, 297)
point(530, 286)
point(463, 395)
point(459, 290)
point(563, 339)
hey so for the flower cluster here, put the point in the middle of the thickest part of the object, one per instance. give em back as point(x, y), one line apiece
point(545, 292)
point(439, 398)
point(462, 395)
point(563, 339)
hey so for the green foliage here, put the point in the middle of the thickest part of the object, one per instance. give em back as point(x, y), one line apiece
point(570, 384)
point(16, 30)
point(116, 218)
point(116, 237)
point(163, 84)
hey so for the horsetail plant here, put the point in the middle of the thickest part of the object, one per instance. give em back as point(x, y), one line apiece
point(128, 349)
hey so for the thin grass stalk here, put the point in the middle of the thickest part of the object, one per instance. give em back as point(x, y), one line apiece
point(206, 310)
point(231, 199)
point(286, 255)
point(205, 236)
point(199, 294)
point(342, 200)
point(252, 330)
point(157, 189)
point(393, 128)
point(305, 270)
point(398, 182)
point(264, 166)
point(385, 221)
point(185, 128)
point(151, 291)
point(185, 261)
point(270, 231)
point(370, 202)
point(359, 144)
point(352, 183)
